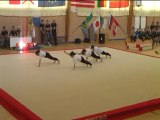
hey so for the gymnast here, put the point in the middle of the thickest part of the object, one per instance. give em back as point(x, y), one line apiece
point(99, 51)
point(90, 53)
point(44, 54)
point(76, 57)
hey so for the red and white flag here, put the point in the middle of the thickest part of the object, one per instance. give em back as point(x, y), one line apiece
point(83, 3)
point(96, 24)
point(113, 25)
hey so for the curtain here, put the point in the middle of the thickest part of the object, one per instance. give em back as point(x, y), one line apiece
point(103, 11)
point(147, 8)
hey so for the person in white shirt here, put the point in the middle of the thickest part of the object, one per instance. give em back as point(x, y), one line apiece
point(77, 57)
point(44, 54)
point(90, 53)
point(99, 51)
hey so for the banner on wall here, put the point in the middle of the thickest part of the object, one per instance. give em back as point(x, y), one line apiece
point(83, 3)
point(33, 7)
point(32, 3)
point(112, 3)
point(36, 21)
point(51, 3)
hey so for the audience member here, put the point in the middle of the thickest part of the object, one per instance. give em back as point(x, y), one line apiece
point(5, 38)
point(42, 29)
point(13, 32)
point(54, 32)
point(48, 32)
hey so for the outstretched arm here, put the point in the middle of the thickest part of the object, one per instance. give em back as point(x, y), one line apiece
point(39, 62)
point(74, 66)
point(66, 52)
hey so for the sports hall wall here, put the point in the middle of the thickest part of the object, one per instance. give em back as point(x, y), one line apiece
point(151, 19)
point(22, 23)
point(74, 21)
point(77, 20)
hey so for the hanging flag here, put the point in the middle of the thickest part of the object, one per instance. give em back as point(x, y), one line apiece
point(118, 3)
point(115, 28)
point(51, 3)
point(110, 21)
point(113, 25)
point(36, 21)
point(96, 24)
point(87, 20)
point(85, 32)
point(103, 22)
point(83, 3)
point(101, 3)
point(14, 2)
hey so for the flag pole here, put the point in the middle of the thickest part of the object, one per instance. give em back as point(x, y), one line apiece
point(123, 31)
point(76, 29)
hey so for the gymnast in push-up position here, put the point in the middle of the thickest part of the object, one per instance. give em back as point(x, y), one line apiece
point(44, 54)
point(90, 53)
point(99, 51)
point(76, 57)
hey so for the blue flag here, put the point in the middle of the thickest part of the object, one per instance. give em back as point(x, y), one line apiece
point(36, 21)
point(51, 3)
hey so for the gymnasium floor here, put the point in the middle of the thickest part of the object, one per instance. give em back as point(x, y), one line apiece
point(57, 92)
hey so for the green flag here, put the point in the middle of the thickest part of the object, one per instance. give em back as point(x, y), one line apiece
point(87, 20)
point(101, 20)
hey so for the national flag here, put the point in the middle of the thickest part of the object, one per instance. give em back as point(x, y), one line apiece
point(113, 25)
point(83, 3)
point(85, 23)
point(87, 20)
point(115, 28)
point(84, 31)
point(118, 3)
point(14, 2)
point(97, 24)
point(51, 3)
point(110, 21)
point(103, 22)
point(101, 3)
point(36, 21)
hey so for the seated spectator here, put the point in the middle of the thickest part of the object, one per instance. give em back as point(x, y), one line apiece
point(158, 35)
point(148, 35)
point(5, 38)
point(152, 26)
point(133, 35)
point(13, 31)
point(155, 37)
point(142, 35)
point(136, 35)
point(157, 26)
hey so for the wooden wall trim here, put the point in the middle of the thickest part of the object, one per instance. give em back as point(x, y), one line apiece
point(67, 21)
point(129, 23)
